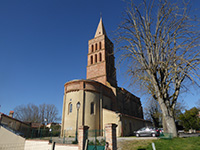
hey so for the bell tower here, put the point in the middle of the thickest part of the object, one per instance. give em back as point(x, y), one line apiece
point(101, 60)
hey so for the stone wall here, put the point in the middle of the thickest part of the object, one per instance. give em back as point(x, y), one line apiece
point(111, 137)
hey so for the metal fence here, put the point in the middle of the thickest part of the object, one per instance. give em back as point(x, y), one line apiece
point(21, 132)
point(97, 139)
point(52, 135)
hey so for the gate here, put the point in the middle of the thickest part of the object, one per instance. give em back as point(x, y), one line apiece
point(96, 140)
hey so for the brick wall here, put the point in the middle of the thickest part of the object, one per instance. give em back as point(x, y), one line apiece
point(82, 136)
point(111, 136)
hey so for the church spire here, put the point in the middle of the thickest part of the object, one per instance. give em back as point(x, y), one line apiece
point(101, 60)
point(100, 29)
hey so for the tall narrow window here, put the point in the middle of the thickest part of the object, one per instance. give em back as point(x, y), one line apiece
point(91, 59)
point(70, 108)
point(130, 127)
point(96, 46)
point(95, 58)
point(99, 45)
point(100, 57)
point(92, 108)
point(92, 48)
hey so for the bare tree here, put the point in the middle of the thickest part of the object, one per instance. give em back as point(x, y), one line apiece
point(160, 42)
point(48, 112)
point(152, 112)
point(179, 109)
point(33, 113)
point(42, 112)
point(28, 113)
point(198, 104)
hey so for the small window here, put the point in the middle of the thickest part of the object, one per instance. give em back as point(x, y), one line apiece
point(100, 57)
point(92, 108)
point(92, 48)
point(96, 46)
point(95, 58)
point(99, 45)
point(91, 59)
point(70, 107)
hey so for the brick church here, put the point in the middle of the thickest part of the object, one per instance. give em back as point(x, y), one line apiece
point(101, 101)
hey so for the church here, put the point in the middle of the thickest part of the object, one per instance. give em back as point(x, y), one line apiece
point(97, 100)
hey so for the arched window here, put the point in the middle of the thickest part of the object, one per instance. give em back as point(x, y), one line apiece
point(92, 48)
point(100, 57)
point(92, 108)
point(95, 58)
point(91, 59)
point(96, 46)
point(70, 108)
point(99, 45)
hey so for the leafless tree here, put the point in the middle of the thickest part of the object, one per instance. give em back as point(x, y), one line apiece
point(29, 113)
point(33, 113)
point(160, 41)
point(179, 109)
point(48, 112)
point(152, 112)
point(198, 104)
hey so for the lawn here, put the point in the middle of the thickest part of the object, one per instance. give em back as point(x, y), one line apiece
point(134, 144)
point(192, 143)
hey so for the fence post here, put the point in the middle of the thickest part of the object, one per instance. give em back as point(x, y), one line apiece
point(53, 146)
point(64, 137)
point(111, 138)
point(82, 136)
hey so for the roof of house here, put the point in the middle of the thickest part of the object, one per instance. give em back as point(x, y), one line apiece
point(4, 115)
point(35, 124)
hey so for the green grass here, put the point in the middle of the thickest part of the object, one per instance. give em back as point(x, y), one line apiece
point(134, 145)
point(192, 143)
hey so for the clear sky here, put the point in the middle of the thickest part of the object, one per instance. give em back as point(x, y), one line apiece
point(44, 44)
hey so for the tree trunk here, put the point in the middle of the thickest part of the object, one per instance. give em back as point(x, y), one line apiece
point(170, 125)
point(164, 124)
point(168, 121)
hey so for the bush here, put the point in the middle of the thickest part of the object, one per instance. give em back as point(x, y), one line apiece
point(102, 142)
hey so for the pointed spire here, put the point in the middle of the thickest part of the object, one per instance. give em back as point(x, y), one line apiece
point(100, 29)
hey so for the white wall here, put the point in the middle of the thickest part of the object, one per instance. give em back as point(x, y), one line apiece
point(10, 141)
point(37, 145)
point(66, 147)
point(45, 145)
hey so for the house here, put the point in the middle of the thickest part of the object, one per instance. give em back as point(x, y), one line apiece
point(49, 125)
point(14, 125)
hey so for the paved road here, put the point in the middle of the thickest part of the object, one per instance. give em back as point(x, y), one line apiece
point(154, 138)
point(189, 134)
point(136, 138)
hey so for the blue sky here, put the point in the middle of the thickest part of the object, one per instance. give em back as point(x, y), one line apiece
point(44, 44)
